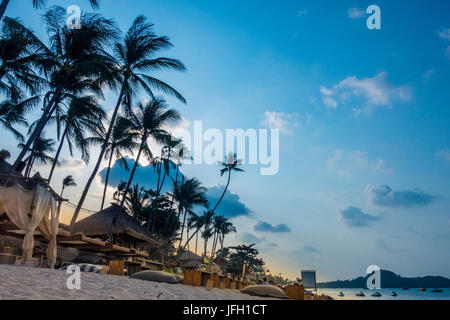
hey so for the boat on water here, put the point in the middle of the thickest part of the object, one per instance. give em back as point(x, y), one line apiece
point(422, 289)
point(341, 294)
point(394, 294)
point(436, 290)
point(376, 294)
point(405, 288)
point(360, 294)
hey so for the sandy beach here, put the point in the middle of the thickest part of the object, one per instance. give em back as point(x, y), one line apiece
point(45, 284)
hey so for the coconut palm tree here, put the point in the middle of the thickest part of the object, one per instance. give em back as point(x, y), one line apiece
point(42, 148)
point(189, 193)
point(83, 114)
point(75, 62)
point(12, 114)
point(231, 164)
point(121, 141)
point(226, 228)
point(135, 59)
point(208, 229)
point(149, 122)
point(20, 52)
point(218, 221)
point(39, 4)
point(67, 182)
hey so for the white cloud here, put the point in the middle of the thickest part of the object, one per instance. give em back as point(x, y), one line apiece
point(355, 13)
point(444, 34)
point(372, 92)
point(285, 122)
point(70, 163)
point(302, 12)
point(345, 163)
point(429, 74)
point(444, 154)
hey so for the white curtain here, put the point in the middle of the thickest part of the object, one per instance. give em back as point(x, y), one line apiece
point(26, 208)
point(49, 229)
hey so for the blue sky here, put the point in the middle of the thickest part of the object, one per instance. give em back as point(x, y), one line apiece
point(364, 114)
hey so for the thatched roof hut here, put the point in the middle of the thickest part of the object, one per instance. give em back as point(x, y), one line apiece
point(127, 231)
point(190, 260)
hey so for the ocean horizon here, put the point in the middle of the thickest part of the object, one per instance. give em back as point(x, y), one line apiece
point(386, 294)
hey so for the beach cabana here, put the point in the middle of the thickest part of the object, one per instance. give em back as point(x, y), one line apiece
point(190, 260)
point(127, 232)
point(30, 204)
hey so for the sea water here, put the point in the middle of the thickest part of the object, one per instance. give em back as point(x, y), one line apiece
point(411, 294)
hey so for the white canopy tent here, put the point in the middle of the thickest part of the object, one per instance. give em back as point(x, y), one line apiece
point(31, 204)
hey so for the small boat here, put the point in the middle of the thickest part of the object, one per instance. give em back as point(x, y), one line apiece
point(422, 289)
point(437, 290)
point(376, 294)
point(394, 294)
point(405, 288)
point(360, 294)
point(341, 294)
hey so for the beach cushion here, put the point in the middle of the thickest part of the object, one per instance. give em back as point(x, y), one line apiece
point(156, 276)
point(265, 291)
point(86, 267)
point(89, 259)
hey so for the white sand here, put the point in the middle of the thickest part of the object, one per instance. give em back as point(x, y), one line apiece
point(17, 282)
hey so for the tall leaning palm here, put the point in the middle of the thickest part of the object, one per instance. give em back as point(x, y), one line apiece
point(39, 4)
point(75, 62)
point(83, 114)
point(149, 122)
point(135, 60)
point(231, 164)
point(67, 182)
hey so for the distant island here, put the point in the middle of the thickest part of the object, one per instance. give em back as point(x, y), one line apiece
point(391, 280)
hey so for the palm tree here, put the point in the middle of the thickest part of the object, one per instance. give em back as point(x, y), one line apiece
point(149, 122)
point(121, 141)
point(134, 60)
point(83, 114)
point(218, 221)
point(231, 164)
point(39, 4)
point(12, 114)
point(40, 152)
point(75, 62)
point(67, 182)
point(20, 52)
point(226, 228)
point(208, 230)
point(189, 193)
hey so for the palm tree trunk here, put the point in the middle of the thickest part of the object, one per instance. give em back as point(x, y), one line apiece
point(187, 235)
point(224, 191)
point(40, 126)
point(107, 178)
point(196, 242)
point(99, 160)
point(195, 233)
point(57, 155)
point(3, 6)
point(182, 229)
point(206, 245)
